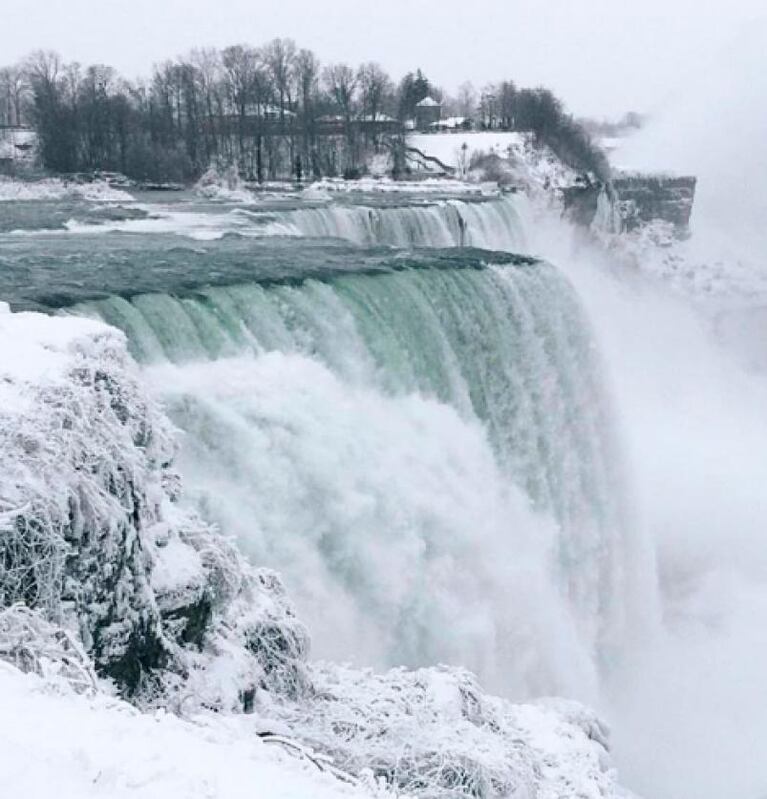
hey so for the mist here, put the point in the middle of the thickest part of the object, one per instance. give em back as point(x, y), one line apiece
point(687, 702)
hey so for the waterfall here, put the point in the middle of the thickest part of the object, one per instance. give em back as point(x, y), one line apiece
point(490, 224)
point(425, 454)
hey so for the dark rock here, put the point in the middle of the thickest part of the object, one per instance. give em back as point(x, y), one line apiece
point(639, 200)
point(645, 198)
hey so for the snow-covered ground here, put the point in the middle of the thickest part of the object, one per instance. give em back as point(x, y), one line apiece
point(56, 743)
point(519, 163)
point(56, 189)
point(449, 147)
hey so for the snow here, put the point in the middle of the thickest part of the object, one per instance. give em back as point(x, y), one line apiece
point(448, 146)
point(432, 731)
point(56, 189)
point(53, 742)
point(535, 169)
point(36, 350)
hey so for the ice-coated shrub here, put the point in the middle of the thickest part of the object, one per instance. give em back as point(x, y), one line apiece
point(434, 733)
point(93, 536)
point(32, 644)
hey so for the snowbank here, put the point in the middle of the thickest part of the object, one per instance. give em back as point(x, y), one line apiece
point(449, 147)
point(53, 742)
point(535, 169)
point(433, 732)
point(55, 189)
point(428, 731)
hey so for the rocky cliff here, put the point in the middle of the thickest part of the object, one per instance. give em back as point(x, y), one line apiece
point(646, 198)
point(636, 199)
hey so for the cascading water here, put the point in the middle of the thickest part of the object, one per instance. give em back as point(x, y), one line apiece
point(492, 225)
point(425, 454)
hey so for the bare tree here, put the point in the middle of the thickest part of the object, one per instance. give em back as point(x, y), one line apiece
point(245, 93)
point(208, 72)
point(307, 71)
point(341, 83)
point(507, 104)
point(376, 89)
point(14, 92)
point(279, 56)
point(467, 100)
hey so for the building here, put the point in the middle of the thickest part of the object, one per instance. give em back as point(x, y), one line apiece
point(427, 112)
point(452, 125)
point(380, 123)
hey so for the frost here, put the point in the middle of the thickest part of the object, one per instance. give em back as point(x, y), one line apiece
point(91, 532)
point(433, 733)
point(36, 646)
point(91, 747)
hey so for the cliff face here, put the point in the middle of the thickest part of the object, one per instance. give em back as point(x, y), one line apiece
point(646, 198)
point(637, 200)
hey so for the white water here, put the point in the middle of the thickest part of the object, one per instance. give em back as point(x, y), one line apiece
point(451, 223)
point(422, 511)
point(401, 539)
point(489, 224)
point(426, 455)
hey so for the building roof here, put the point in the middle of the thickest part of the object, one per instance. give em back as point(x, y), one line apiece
point(428, 102)
point(376, 118)
point(449, 122)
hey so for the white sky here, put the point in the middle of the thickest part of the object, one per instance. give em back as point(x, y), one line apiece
point(603, 56)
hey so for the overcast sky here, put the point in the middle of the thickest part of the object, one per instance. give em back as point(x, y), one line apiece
point(603, 56)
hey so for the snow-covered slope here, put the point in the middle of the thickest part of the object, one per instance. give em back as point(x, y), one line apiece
point(55, 743)
point(518, 161)
point(79, 746)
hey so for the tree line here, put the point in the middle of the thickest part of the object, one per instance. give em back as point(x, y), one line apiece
point(273, 111)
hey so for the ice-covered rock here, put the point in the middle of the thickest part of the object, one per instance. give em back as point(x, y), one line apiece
point(224, 185)
point(90, 530)
point(434, 733)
